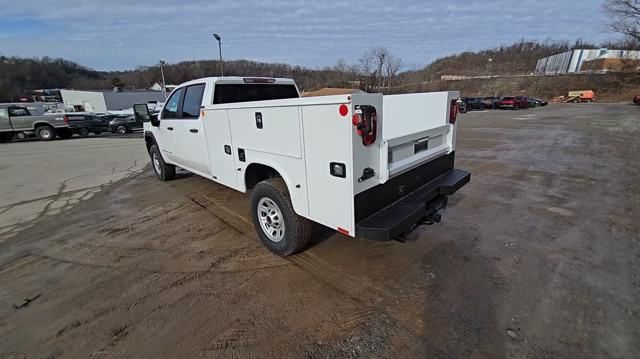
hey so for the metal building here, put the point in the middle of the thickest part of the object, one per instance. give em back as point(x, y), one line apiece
point(103, 101)
point(572, 61)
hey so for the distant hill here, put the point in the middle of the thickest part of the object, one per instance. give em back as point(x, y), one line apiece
point(517, 59)
point(20, 76)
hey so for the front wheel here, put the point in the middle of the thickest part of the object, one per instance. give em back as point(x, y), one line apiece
point(163, 170)
point(122, 129)
point(280, 229)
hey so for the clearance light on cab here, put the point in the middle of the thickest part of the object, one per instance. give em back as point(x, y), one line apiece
point(258, 80)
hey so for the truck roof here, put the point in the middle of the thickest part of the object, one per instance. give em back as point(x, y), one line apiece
point(242, 80)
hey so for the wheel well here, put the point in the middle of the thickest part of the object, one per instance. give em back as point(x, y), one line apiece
point(149, 141)
point(41, 124)
point(256, 173)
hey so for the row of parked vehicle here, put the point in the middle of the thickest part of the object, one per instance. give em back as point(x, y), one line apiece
point(494, 102)
point(18, 122)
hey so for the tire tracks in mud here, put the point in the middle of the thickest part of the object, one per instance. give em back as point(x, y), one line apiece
point(372, 299)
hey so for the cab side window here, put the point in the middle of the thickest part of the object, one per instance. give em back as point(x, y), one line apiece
point(192, 101)
point(170, 110)
point(18, 111)
point(4, 114)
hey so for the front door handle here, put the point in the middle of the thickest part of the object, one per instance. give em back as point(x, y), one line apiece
point(193, 130)
point(170, 128)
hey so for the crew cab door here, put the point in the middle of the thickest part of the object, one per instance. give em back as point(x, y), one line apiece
point(190, 148)
point(169, 117)
point(21, 119)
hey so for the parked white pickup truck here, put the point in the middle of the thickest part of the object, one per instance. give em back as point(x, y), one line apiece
point(366, 165)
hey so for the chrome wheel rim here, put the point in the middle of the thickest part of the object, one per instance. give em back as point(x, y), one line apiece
point(45, 133)
point(156, 162)
point(122, 130)
point(271, 220)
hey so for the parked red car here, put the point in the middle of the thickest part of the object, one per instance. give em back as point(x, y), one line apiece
point(636, 100)
point(509, 102)
point(523, 101)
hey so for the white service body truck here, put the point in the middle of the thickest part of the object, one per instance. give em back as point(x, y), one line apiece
point(365, 165)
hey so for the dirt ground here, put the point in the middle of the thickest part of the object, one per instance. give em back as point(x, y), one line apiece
point(538, 257)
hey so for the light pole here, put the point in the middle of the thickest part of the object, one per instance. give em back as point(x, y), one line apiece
point(164, 85)
point(217, 37)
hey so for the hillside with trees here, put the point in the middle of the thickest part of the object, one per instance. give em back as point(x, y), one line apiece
point(376, 70)
point(519, 58)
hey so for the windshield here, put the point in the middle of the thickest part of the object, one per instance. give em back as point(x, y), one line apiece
point(230, 93)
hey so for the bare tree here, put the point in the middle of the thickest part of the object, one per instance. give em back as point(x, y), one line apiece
point(378, 66)
point(625, 17)
point(391, 68)
point(367, 68)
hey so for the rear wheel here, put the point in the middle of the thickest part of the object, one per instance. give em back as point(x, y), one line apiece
point(46, 133)
point(280, 229)
point(5, 137)
point(163, 170)
point(84, 132)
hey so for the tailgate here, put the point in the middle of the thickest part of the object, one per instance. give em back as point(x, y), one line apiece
point(416, 130)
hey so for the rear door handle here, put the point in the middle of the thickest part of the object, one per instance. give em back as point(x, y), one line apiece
point(170, 128)
point(193, 130)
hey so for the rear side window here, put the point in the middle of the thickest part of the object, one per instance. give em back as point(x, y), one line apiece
point(3, 113)
point(18, 111)
point(192, 101)
point(171, 108)
point(230, 93)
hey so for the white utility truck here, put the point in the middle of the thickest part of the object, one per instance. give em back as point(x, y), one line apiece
point(365, 165)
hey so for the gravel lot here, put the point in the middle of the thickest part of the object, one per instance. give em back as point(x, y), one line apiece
point(537, 257)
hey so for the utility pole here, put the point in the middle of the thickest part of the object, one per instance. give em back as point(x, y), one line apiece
point(217, 37)
point(164, 85)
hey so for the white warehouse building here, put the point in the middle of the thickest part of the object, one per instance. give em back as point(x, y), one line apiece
point(103, 101)
point(572, 61)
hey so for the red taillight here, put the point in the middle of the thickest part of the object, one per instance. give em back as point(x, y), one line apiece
point(343, 231)
point(365, 119)
point(453, 112)
point(66, 119)
point(344, 110)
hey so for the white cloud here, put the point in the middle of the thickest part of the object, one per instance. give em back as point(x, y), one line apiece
point(123, 34)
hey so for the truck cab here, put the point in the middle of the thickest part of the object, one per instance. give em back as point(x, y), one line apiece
point(362, 164)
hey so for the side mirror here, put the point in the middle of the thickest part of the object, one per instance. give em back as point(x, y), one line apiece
point(141, 114)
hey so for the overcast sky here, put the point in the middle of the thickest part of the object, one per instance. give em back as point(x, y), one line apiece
point(124, 34)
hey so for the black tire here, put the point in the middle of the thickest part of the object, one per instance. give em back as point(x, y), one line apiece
point(296, 231)
point(5, 137)
point(46, 133)
point(122, 129)
point(164, 171)
point(84, 132)
point(65, 134)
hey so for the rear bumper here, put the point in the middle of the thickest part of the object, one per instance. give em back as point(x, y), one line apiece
point(402, 216)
